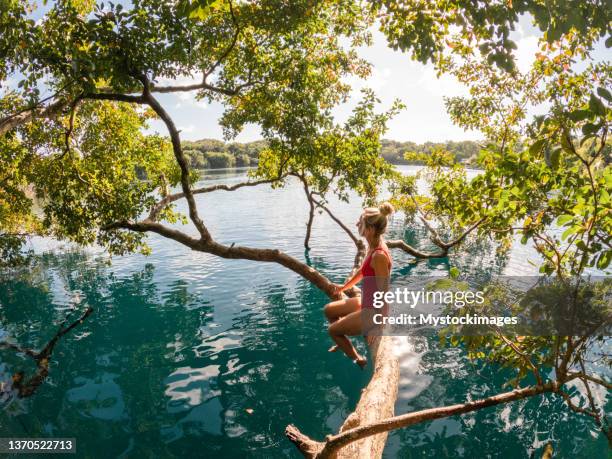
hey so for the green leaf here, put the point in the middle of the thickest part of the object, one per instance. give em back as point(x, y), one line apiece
point(566, 144)
point(536, 147)
point(596, 105)
point(589, 129)
point(603, 92)
point(579, 115)
point(563, 219)
point(571, 230)
point(453, 272)
point(604, 259)
point(509, 44)
point(554, 158)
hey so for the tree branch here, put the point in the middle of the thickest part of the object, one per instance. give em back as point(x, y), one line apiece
point(158, 207)
point(229, 48)
point(180, 158)
point(311, 209)
point(334, 442)
point(574, 407)
point(26, 388)
point(525, 358)
point(444, 246)
point(400, 244)
point(231, 251)
point(346, 229)
point(12, 121)
point(116, 96)
point(593, 379)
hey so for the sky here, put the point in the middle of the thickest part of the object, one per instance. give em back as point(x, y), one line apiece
point(394, 75)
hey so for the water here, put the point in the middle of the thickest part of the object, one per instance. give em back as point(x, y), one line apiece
point(190, 355)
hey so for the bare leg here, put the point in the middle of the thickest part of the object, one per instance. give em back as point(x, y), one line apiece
point(348, 325)
point(338, 309)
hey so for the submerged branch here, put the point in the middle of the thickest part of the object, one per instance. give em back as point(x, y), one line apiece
point(311, 210)
point(26, 388)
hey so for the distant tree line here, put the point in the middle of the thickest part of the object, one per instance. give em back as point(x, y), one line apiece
point(216, 154)
point(465, 151)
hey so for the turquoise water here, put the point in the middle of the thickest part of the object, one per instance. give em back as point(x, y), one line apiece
point(189, 355)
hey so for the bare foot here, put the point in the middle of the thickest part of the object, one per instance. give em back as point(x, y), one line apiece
point(334, 348)
point(361, 361)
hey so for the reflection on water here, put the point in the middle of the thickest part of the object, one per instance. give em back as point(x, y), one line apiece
point(190, 355)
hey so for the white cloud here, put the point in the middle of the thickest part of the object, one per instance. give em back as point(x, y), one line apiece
point(525, 53)
point(445, 85)
point(181, 80)
point(376, 81)
point(186, 98)
point(187, 129)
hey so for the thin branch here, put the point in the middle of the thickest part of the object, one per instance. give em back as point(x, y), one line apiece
point(401, 244)
point(311, 206)
point(229, 48)
point(68, 132)
point(19, 349)
point(525, 358)
point(116, 96)
point(593, 379)
point(574, 407)
point(196, 86)
point(435, 237)
point(460, 239)
point(207, 73)
point(346, 229)
point(333, 443)
point(159, 206)
point(26, 388)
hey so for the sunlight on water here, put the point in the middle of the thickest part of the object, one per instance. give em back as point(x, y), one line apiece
point(191, 355)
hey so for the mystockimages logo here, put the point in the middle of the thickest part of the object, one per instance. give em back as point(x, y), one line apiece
point(441, 321)
point(514, 305)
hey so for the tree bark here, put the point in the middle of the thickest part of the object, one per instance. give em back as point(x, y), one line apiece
point(311, 209)
point(16, 120)
point(377, 402)
point(334, 444)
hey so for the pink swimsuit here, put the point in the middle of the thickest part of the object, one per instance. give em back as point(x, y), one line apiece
point(369, 278)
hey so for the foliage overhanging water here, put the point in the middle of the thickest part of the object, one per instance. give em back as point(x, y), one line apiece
point(189, 355)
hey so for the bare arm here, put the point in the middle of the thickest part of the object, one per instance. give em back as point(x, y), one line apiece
point(351, 282)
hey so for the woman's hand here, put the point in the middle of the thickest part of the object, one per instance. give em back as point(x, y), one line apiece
point(338, 289)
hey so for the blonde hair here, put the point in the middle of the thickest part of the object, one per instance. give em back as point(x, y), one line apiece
point(377, 217)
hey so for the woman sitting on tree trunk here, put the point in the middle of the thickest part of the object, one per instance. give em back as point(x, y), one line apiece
point(354, 316)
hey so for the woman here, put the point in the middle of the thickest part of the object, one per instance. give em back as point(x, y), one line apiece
point(353, 316)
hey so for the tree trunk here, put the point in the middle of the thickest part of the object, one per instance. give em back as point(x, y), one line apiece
point(377, 402)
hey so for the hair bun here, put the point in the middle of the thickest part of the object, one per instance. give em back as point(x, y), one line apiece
point(386, 208)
